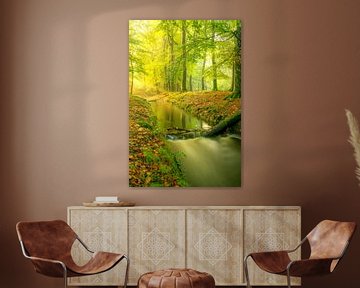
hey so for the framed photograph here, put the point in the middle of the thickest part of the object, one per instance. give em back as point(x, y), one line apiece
point(185, 103)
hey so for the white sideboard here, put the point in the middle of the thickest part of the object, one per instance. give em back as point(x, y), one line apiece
point(212, 239)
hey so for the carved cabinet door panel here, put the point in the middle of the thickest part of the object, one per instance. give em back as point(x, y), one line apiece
point(269, 230)
point(156, 240)
point(101, 230)
point(214, 244)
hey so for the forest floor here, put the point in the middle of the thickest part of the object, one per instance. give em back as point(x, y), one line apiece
point(151, 162)
point(210, 106)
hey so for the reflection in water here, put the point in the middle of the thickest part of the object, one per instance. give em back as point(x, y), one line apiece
point(170, 116)
point(211, 162)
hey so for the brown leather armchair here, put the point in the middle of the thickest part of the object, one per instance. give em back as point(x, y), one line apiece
point(328, 242)
point(48, 245)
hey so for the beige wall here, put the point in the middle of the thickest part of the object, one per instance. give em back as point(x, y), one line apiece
point(63, 112)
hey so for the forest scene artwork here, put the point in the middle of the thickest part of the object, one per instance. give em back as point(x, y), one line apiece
point(185, 103)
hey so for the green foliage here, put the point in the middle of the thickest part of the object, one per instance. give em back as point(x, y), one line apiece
point(149, 123)
point(149, 156)
point(175, 55)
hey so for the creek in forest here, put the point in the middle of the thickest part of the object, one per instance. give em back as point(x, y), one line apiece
point(206, 162)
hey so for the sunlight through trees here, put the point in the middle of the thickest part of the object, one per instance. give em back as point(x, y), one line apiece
point(184, 55)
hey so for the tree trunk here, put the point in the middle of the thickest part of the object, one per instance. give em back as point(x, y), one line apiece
point(172, 64)
point(203, 84)
point(214, 68)
point(165, 84)
point(132, 82)
point(237, 86)
point(170, 55)
point(203, 73)
point(190, 83)
point(132, 77)
point(223, 125)
point(233, 77)
point(215, 87)
point(183, 43)
point(165, 77)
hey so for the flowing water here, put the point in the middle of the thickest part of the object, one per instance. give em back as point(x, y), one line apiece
point(210, 162)
point(206, 162)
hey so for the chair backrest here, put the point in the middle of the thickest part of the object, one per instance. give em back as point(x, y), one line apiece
point(329, 239)
point(46, 239)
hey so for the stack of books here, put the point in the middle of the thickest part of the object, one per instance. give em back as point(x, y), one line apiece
point(106, 199)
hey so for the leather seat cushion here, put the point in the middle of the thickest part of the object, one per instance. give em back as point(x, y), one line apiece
point(176, 278)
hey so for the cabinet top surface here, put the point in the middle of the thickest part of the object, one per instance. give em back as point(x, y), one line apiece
point(193, 207)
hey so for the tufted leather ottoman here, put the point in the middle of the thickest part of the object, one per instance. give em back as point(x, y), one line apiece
point(176, 278)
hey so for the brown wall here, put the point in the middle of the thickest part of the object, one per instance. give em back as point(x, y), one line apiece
point(63, 112)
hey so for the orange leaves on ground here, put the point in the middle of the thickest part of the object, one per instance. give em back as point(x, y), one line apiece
point(211, 106)
point(150, 161)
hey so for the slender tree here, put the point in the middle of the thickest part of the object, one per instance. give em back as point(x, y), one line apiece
point(179, 55)
point(237, 62)
point(132, 76)
point(169, 27)
point(213, 58)
point(203, 85)
point(136, 64)
point(232, 87)
point(184, 54)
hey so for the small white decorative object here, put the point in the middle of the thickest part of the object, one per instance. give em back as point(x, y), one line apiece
point(106, 199)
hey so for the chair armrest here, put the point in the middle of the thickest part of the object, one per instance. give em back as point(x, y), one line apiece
point(268, 253)
point(48, 267)
point(32, 258)
point(309, 267)
point(281, 251)
point(298, 246)
point(84, 245)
